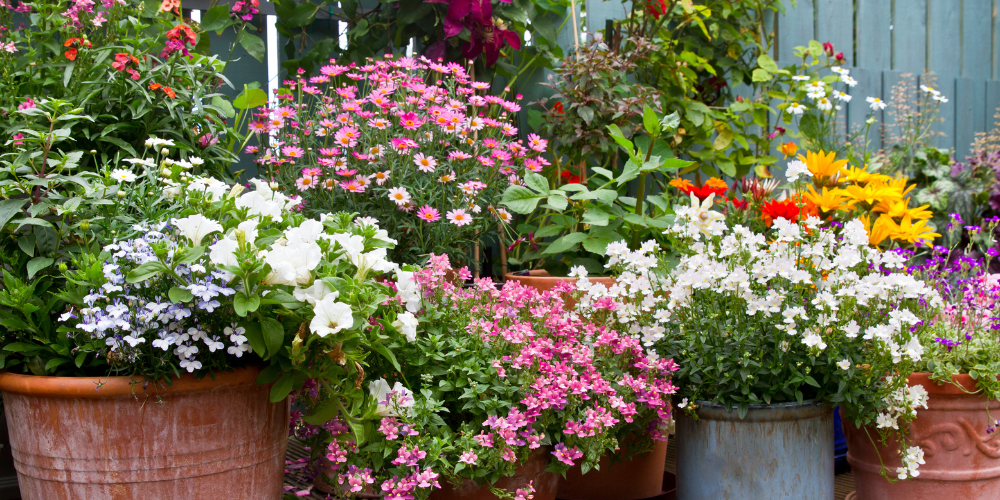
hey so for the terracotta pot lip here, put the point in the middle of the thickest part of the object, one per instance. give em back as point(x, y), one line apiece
point(117, 387)
point(934, 387)
point(542, 275)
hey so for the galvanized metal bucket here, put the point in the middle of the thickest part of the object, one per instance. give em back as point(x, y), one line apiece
point(781, 451)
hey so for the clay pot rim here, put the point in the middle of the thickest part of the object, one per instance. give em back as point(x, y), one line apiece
point(117, 387)
point(934, 387)
point(543, 275)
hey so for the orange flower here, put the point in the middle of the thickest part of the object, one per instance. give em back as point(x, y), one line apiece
point(170, 92)
point(793, 209)
point(716, 182)
point(788, 149)
point(71, 54)
point(154, 86)
point(682, 184)
point(183, 33)
point(73, 43)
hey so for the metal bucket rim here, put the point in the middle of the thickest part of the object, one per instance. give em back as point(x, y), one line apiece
point(777, 411)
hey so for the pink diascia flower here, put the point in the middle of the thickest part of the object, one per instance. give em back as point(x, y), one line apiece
point(469, 457)
point(567, 455)
point(428, 213)
point(459, 217)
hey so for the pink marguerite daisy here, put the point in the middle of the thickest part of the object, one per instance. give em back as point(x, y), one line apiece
point(428, 213)
point(459, 217)
point(424, 163)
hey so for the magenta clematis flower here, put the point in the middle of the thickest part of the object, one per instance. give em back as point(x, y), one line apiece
point(489, 34)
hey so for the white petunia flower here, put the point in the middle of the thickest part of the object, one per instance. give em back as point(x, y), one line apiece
point(331, 316)
point(196, 227)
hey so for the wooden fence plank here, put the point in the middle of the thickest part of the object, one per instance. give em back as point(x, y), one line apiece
point(963, 119)
point(909, 35)
point(891, 79)
point(795, 29)
point(858, 110)
point(992, 103)
point(943, 60)
point(873, 47)
point(977, 20)
point(835, 24)
point(599, 11)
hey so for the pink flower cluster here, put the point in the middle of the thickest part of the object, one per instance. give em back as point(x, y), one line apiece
point(439, 138)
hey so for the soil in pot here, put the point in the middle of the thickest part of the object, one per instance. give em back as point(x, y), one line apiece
point(962, 459)
point(199, 439)
point(633, 479)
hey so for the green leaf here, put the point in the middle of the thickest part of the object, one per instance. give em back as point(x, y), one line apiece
point(596, 217)
point(724, 139)
point(274, 335)
point(586, 113)
point(565, 243)
point(675, 163)
point(386, 353)
point(244, 304)
point(224, 105)
point(631, 171)
point(180, 295)
point(619, 137)
point(67, 76)
point(216, 18)
point(37, 264)
point(809, 126)
point(253, 45)
point(250, 98)
point(255, 337)
point(19, 347)
point(281, 388)
point(599, 244)
point(671, 121)
point(190, 255)
point(520, 199)
point(8, 209)
point(303, 15)
point(323, 414)
point(606, 195)
point(145, 271)
point(761, 75)
point(650, 121)
point(558, 201)
point(80, 358)
point(766, 63)
point(53, 363)
point(537, 182)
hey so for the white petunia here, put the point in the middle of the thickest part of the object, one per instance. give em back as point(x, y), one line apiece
point(844, 365)
point(196, 227)
point(223, 252)
point(406, 323)
point(408, 290)
point(390, 400)
point(315, 293)
point(331, 316)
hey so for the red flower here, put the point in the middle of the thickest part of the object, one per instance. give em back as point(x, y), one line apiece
point(828, 48)
point(656, 8)
point(558, 107)
point(569, 178)
point(774, 209)
point(71, 54)
point(73, 43)
point(182, 33)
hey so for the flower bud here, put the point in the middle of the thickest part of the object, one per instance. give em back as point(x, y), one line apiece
point(121, 194)
point(63, 267)
point(273, 185)
point(165, 151)
point(236, 190)
point(84, 226)
point(165, 172)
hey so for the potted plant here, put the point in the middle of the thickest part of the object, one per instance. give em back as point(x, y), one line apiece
point(956, 433)
point(177, 339)
point(477, 402)
point(418, 145)
point(577, 223)
point(771, 327)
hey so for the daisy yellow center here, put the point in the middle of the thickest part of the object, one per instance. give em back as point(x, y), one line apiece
point(306, 181)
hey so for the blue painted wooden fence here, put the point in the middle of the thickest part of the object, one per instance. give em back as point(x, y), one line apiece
point(957, 40)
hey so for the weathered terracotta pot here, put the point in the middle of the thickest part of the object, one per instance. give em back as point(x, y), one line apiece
point(635, 479)
point(533, 470)
point(963, 461)
point(73, 439)
point(541, 280)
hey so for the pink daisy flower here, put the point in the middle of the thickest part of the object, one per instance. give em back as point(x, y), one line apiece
point(459, 217)
point(293, 151)
point(347, 137)
point(352, 186)
point(305, 183)
point(381, 177)
point(424, 163)
point(428, 213)
point(347, 172)
point(311, 171)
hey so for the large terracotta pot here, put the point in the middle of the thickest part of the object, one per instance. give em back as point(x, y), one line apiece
point(963, 461)
point(634, 479)
point(116, 438)
point(533, 470)
point(541, 280)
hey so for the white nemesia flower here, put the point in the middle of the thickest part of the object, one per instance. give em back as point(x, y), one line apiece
point(796, 169)
point(406, 323)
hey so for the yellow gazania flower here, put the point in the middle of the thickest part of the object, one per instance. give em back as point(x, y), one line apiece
point(900, 208)
point(822, 164)
point(912, 231)
point(871, 194)
point(883, 228)
point(829, 200)
point(860, 175)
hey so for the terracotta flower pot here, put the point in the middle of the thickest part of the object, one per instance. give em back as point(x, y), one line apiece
point(635, 479)
point(963, 461)
point(541, 280)
point(116, 438)
point(533, 470)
